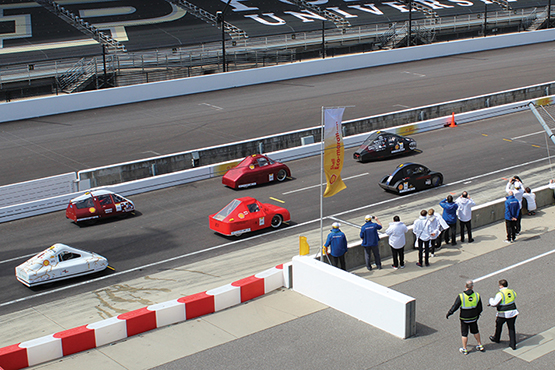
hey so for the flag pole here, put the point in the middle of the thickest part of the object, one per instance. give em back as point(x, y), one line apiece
point(321, 183)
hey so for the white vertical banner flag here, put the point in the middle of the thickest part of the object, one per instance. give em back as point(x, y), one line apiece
point(334, 150)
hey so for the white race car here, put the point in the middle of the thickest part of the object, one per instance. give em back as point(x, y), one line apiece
point(59, 262)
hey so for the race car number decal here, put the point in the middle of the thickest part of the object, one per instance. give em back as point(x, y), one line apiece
point(271, 177)
point(261, 221)
point(404, 187)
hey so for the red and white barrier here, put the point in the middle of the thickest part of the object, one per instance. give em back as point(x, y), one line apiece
point(107, 331)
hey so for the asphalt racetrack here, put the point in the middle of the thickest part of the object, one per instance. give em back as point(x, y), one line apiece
point(53, 145)
point(173, 222)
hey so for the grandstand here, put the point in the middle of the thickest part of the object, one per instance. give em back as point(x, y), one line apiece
point(53, 47)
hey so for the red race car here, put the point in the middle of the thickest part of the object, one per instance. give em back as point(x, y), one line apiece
point(98, 204)
point(247, 214)
point(255, 169)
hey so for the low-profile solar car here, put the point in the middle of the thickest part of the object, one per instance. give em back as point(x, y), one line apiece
point(381, 144)
point(254, 170)
point(247, 214)
point(410, 177)
point(59, 262)
point(98, 204)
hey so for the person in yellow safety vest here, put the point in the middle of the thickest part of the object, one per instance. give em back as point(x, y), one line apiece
point(470, 306)
point(504, 300)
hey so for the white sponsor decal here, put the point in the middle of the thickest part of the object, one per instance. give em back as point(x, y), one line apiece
point(241, 231)
point(247, 185)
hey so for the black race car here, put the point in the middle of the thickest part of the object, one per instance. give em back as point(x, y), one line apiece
point(410, 177)
point(381, 144)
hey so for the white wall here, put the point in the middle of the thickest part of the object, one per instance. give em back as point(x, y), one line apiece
point(362, 299)
point(39, 107)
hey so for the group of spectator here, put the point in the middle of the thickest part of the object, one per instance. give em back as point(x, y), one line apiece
point(431, 229)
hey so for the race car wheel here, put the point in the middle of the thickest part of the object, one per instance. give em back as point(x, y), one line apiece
point(281, 175)
point(276, 221)
point(436, 181)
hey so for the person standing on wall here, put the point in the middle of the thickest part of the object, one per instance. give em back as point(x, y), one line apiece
point(464, 214)
point(396, 232)
point(504, 301)
point(450, 216)
point(337, 243)
point(470, 306)
point(370, 240)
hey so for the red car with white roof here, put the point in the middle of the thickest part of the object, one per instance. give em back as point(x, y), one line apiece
point(97, 204)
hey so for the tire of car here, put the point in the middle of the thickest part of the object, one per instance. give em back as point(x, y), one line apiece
point(281, 175)
point(277, 220)
point(436, 180)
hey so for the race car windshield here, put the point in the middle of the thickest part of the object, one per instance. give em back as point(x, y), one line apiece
point(86, 203)
point(370, 139)
point(226, 211)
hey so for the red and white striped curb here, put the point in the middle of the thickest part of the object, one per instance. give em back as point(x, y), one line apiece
point(82, 338)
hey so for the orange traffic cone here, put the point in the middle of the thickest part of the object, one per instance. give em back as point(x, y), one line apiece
point(453, 124)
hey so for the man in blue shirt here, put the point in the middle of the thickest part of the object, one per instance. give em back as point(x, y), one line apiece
point(370, 240)
point(338, 246)
point(512, 209)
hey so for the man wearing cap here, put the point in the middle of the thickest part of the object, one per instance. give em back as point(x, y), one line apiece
point(370, 240)
point(515, 185)
point(337, 242)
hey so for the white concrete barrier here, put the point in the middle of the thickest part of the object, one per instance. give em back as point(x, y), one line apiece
point(273, 279)
point(225, 296)
point(46, 187)
point(362, 299)
point(108, 331)
point(168, 313)
point(31, 108)
point(43, 349)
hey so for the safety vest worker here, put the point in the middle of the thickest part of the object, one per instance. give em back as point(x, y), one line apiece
point(507, 300)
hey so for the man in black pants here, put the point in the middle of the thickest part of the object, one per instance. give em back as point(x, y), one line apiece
point(504, 300)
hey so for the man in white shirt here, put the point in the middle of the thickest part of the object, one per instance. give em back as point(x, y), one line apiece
point(504, 300)
point(396, 232)
point(464, 214)
point(421, 228)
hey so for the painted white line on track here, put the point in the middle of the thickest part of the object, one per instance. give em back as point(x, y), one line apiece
point(211, 106)
point(254, 237)
point(515, 265)
point(533, 133)
point(17, 258)
point(317, 185)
